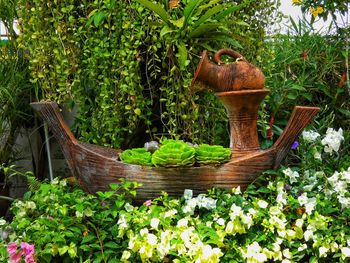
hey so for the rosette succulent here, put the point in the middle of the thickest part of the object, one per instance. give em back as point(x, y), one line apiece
point(212, 154)
point(174, 153)
point(136, 156)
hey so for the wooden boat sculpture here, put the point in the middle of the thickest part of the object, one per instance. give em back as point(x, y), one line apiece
point(95, 167)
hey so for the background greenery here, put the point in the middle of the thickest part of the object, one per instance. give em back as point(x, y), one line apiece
point(129, 68)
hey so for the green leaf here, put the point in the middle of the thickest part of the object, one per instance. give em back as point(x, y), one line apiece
point(88, 239)
point(207, 15)
point(203, 29)
point(111, 244)
point(99, 17)
point(189, 9)
point(182, 55)
point(179, 22)
point(156, 8)
point(165, 30)
point(230, 10)
point(222, 37)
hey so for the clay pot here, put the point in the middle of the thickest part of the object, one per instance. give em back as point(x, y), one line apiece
point(240, 75)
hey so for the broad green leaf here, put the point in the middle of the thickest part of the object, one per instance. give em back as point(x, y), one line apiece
point(156, 8)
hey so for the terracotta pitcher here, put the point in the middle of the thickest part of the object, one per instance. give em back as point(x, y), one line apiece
point(220, 77)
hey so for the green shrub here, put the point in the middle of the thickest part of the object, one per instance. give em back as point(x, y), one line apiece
point(295, 214)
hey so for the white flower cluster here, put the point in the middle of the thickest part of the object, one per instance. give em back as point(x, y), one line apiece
point(332, 140)
point(292, 175)
point(310, 136)
point(308, 203)
point(340, 183)
point(201, 201)
point(240, 221)
point(158, 245)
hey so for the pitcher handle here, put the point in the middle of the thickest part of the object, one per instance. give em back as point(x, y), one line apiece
point(229, 52)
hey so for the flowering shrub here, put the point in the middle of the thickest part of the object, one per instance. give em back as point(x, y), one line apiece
point(295, 214)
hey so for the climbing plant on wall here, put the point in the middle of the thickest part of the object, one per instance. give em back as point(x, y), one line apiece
point(128, 65)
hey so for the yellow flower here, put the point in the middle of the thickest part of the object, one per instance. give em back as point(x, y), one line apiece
point(297, 2)
point(315, 11)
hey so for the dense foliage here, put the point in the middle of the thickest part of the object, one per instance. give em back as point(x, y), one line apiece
point(15, 87)
point(295, 214)
point(128, 64)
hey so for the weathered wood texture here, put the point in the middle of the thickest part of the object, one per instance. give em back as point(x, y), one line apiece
point(96, 167)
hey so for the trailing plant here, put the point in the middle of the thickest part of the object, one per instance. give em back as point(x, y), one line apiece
point(295, 214)
point(128, 66)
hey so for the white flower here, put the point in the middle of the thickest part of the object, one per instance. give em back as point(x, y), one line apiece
point(128, 207)
point(2, 222)
point(332, 140)
point(323, 251)
point(286, 261)
point(154, 223)
point(126, 255)
point(317, 156)
point(262, 204)
point(220, 221)
point(345, 252)
point(308, 234)
point(346, 175)
point(310, 206)
point(170, 213)
point(253, 253)
point(302, 247)
point(122, 222)
point(206, 202)
point(299, 223)
point(310, 136)
point(302, 199)
point(236, 190)
point(188, 193)
point(293, 175)
point(151, 239)
point(286, 253)
point(182, 222)
point(236, 211)
point(344, 201)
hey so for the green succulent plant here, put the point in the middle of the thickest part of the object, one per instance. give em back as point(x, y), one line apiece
point(212, 154)
point(136, 156)
point(174, 153)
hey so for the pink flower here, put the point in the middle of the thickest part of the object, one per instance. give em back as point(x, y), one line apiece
point(29, 252)
point(148, 203)
point(15, 257)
